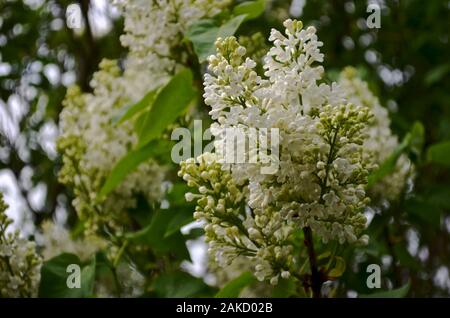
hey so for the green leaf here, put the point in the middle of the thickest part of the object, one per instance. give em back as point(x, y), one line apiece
point(143, 211)
point(204, 33)
point(154, 236)
point(182, 217)
point(377, 225)
point(130, 162)
point(412, 143)
point(88, 278)
point(170, 103)
point(54, 277)
point(424, 211)
point(252, 9)
point(234, 287)
point(389, 164)
point(439, 153)
point(194, 233)
point(394, 293)
point(417, 139)
point(180, 285)
point(130, 111)
point(231, 26)
point(139, 122)
point(436, 74)
point(176, 194)
point(438, 196)
point(285, 288)
point(325, 255)
point(333, 74)
point(339, 268)
point(183, 211)
point(405, 258)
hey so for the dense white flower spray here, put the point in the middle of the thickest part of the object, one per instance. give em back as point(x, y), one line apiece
point(91, 145)
point(56, 239)
point(90, 142)
point(20, 265)
point(323, 168)
point(381, 142)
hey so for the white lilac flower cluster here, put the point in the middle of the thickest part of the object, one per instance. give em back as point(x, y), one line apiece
point(381, 142)
point(20, 265)
point(322, 170)
point(91, 146)
point(241, 264)
point(231, 229)
point(56, 240)
point(90, 143)
point(154, 32)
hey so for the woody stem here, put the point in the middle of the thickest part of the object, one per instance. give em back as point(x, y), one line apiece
point(316, 279)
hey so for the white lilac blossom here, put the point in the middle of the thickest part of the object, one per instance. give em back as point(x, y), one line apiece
point(56, 239)
point(381, 142)
point(20, 265)
point(241, 264)
point(323, 166)
point(91, 145)
point(231, 229)
point(90, 142)
point(154, 32)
